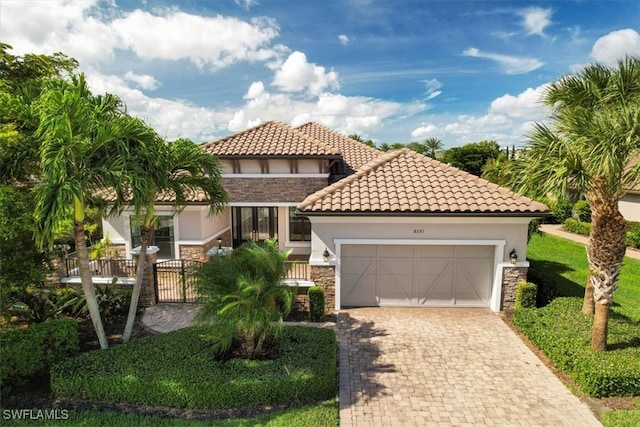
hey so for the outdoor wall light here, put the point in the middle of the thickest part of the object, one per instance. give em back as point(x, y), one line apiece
point(513, 256)
point(219, 244)
point(326, 255)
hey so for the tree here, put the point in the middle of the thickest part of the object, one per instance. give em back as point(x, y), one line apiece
point(244, 296)
point(417, 147)
point(398, 146)
point(180, 168)
point(433, 145)
point(498, 170)
point(83, 147)
point(590, 145)
point(359, 138)
point(472, 157)
point(384, 147)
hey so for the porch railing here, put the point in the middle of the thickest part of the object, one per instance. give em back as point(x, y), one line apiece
point(107, 267)
point(297, 270)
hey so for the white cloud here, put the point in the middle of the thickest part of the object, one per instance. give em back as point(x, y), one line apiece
point(246, 4)
point(298, 75)
point(216, 41)
point(424, 131)
point(344, 39)
point(510, 64)
point(615, 45)
point(433, 87)
point(144, 81)
point(255, 90)
point(526, 105)
point(535, 20)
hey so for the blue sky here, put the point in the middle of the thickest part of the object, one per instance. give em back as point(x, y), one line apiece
point(390, 70)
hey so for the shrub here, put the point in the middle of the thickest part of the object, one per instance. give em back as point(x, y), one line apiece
point(563, 333)
point(38, 305)
point(316, 303)
point(177, 370)
point(577, 227)
point(31, 351)
point(582, 211)
point(560, 210)
point(526, 295)
point(633, 235)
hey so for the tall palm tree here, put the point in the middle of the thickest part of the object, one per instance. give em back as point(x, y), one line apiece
point(594, 136)
point(81, 151)
point(179, 168)
point(433, 146)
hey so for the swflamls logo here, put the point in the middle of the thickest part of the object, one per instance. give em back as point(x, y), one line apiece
point(36, 414)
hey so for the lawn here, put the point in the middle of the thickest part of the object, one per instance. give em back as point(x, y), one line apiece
point(564, 263)
point(320, 415)
point(563, 333)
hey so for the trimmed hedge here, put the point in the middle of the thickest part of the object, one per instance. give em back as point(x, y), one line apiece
point(526, 295)
point(31, 351)
point(573, 226)
point(563, 333)
point(316, 303)
point(178, 369)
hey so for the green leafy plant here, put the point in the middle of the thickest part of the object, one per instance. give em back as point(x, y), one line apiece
point(582, 211)
point(244, 296)
point(633, 235)
point(26, 352)
point(577, 227)
point(526, 295)
point(316, 303)
point(176, 370)
point(39, 305)
point(111, 301)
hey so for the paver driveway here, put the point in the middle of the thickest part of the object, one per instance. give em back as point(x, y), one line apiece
point(441, 367)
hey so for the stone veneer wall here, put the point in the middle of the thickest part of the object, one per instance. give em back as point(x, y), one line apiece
point(199, 252)
point(325, 276)
point(511, 276)
point(271, 189)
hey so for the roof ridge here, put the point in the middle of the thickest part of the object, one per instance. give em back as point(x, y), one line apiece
point(233, 135)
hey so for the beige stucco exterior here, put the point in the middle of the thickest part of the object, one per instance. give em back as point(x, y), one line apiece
point(629, 207)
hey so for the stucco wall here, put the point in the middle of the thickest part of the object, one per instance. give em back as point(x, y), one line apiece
point(629, 207)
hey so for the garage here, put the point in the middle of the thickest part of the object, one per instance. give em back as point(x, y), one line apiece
point(416, 275)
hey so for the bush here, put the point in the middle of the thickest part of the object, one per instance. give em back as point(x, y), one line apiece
point(526, 295)
point(577, 227)
point(316, 303)
point(563, 333)
point(560, 210)
point(582, 211)
point(177, 370)
point(38, 305)
point(633, 235)
point(31, 351)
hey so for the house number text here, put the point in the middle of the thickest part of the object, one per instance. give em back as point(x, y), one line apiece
point(418, 231)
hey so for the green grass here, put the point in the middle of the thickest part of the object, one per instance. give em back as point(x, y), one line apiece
point(564, 263)
point(321, 415)
point(621, 418)
point(178, 370)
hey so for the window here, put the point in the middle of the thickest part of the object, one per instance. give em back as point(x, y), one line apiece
point(162, 235)
point(299, 227)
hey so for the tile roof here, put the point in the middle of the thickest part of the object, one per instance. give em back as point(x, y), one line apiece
point(272, 139)
point(355, 154)
point(405, 182)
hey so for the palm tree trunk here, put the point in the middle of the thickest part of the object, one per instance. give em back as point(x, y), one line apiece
point(600, 323)
point(588, 303)
point(137, 286)
point(606, 252)
point(87, 283)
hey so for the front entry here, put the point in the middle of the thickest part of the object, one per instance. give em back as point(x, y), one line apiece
point(254, 223)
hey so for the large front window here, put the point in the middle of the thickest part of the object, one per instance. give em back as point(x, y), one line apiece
point(254, 223)
point(162, 235)
point(299, 227)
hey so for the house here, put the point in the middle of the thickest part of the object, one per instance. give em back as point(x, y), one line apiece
point(629, 204)
point(376, 228)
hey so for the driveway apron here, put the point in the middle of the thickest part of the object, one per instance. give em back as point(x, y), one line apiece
point(440, 367)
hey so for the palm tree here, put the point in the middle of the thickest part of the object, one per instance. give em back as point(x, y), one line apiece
point(81, 136)
point(244, 297)
point(180, 168)
point(384, 147)
point(594, 136)
point(433, 146)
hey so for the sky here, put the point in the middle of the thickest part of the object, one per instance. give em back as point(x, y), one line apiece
point(387, 70)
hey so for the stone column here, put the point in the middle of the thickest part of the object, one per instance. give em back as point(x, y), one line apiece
point(511, 276)
point(148, 292)
point(325, 276)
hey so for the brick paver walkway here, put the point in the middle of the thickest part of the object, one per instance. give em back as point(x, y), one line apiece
point(445, 367)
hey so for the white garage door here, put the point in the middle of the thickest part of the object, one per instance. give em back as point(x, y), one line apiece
point(396, 275)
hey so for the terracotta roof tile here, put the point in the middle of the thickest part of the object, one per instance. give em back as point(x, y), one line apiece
point(273, 139)
point(406, 182)
point(355, 154)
